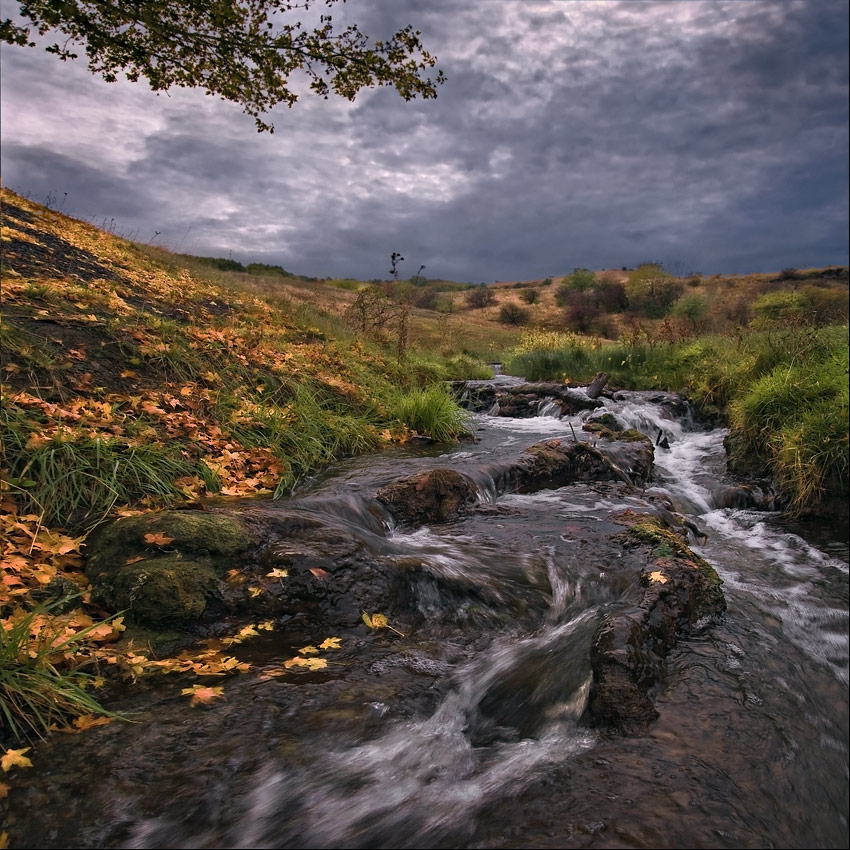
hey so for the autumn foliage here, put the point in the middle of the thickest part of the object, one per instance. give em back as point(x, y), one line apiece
point(130, 383)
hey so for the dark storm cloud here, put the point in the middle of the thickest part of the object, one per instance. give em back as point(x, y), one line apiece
point(712, 135)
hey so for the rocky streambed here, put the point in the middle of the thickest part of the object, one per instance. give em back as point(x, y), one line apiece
point(573, 631)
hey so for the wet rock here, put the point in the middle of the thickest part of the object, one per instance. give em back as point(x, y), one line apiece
point(680, 595)
point(162, 568)
point(435, 496)
point(556, 463)
point(523, 400)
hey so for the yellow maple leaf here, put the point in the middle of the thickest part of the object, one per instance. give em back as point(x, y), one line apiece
point(277, 573)
point(657, 575)
point(308, 650)
point(379, 621)
point(15, 758)
point(330, 643)
point(309, 663)
point(255, 591)
point(266, 626)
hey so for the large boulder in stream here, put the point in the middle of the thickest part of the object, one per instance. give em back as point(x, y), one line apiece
point(556, 463)
point(162, 568)
point(680, 595)
point(438, 495)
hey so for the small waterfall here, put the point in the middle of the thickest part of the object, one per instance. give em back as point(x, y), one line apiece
point(549, 407)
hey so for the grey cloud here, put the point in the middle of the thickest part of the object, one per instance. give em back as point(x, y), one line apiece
point(567, 134)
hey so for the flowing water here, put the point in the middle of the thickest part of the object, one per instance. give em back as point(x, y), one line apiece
point(468, 732)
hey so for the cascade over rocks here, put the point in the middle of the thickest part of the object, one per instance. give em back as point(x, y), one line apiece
point(523, 400)
point(326, 565)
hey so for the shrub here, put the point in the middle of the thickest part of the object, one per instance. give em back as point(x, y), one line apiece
point(828, 306)
point(580, 280)
point(530, 296)
point(781, 307)
point(611, 296)
point(693, 308)
point(513, 314)
point(480, 296)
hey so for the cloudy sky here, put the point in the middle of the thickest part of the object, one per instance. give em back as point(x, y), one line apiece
point(711, 135)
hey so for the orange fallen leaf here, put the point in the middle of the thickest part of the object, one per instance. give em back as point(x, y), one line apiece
point(318, 572)
point(158, 538)
point(134, 560)
point(203, 694)
point(87, 721)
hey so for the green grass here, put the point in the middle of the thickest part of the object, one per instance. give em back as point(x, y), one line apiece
point(432, 412)
point(34, 692)
point(74, 482)
point(783, 388)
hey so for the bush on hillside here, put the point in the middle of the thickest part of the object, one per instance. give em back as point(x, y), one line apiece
point(513, 314)
point(480, 296)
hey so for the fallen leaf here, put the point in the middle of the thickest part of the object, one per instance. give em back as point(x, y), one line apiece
point(158, 538)
point(318, 572)
point(308, 650)
point(4, 790)
point(330, 643)
point(277, 573)
point(134, 560)
point(657, 575)
point(309, 663)
point(203, 694)
point(379, 621)
point(15, 758)
point(87, 721)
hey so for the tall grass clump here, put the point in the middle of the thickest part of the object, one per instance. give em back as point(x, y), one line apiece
point(74, 481)
point(794, 420)
point(307, 432)
point(36, 687)
point(432, 412)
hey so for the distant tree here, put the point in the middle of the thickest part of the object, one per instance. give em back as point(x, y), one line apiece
point(611, 295)
point(530, 296)
point(693, 308)
point(513, 314)
point(480, 296)
point(652, 291)
point(243, 51)
point(267, 270)
point(580, 279)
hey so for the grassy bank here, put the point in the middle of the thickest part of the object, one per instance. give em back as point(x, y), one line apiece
point(782, 388)
point(132, 382)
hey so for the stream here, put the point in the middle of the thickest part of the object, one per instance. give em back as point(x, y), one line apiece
point(467, 729)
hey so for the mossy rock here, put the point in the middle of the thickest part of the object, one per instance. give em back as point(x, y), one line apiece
point(167, 590)
point(162, 568)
